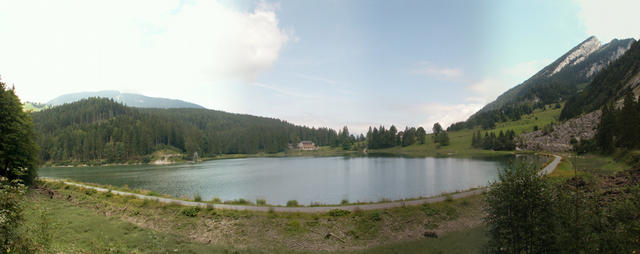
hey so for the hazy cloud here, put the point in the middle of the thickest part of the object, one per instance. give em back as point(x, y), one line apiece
point(610, 19)
point(446, 114)
point(53, 47)
point(447, 73)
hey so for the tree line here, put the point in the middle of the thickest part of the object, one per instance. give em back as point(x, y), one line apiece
point(504, 141)
point(99, 129)
point(378, 138)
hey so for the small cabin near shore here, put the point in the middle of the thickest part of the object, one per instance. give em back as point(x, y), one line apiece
point(306, 145)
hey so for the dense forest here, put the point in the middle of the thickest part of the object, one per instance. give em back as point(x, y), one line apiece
point(607, 86)
point(103, 130)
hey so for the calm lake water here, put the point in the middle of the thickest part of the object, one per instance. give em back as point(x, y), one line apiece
point(326, 180)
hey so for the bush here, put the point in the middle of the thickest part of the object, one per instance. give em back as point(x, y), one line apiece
point(339, 212)
point(197, 198)
point(294, 226)
point(448, 198)
point(429, 210)
point(374, 216)
point(519, 212)
point(261, 202)
point(292, 203)
point(345, 202)
point(90, 192)
point(191, 211)
point(11, 217)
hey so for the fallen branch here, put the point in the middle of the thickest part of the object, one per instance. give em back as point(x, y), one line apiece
point(329, 235)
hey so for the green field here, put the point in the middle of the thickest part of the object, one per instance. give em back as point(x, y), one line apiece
point(78, 220)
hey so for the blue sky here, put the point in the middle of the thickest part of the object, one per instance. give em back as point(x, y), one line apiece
point(316, 63)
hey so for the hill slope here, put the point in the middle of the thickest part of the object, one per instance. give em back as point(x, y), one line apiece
point(103, 130)
point(129, 99)
point(562, 78)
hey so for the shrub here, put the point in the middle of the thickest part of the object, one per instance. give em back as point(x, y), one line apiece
point(294, 226)
point(429, 210)
point(11, 217)
point(292, 203)
point(448, 198)
point(374, 216)
point(197, 198)
point(191, 211)
point(90, 192)
point(261, 202)
point(519, 212)
point(345, 202)
point(339, 212)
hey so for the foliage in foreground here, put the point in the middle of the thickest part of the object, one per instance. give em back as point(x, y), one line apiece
point(528, 213)
point(18, 150)
point(519, 212)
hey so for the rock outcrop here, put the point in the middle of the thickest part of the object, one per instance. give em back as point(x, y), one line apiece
point(559, 138)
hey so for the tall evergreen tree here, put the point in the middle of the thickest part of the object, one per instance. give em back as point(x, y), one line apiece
point(18, 150)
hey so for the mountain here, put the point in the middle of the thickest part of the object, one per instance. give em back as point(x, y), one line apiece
point(102, 130)
point(566, 75)
point(555, 83)
point(129, 99)
point(608, 86)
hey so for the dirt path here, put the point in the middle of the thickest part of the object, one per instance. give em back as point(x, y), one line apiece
point(318, 209)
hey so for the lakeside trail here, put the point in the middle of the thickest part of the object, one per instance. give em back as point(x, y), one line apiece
point(316, 209)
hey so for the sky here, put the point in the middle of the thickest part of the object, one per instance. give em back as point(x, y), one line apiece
point(314, 63)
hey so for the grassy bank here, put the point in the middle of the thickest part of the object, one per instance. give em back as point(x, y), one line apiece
point(100, 220)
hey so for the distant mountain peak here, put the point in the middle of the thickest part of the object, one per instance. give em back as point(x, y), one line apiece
point(578, 54)
point(129, 99)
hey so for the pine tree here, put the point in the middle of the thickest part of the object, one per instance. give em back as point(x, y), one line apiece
point(18, 150)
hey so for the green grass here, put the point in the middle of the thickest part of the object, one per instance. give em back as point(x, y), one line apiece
point(466, 241)
point(27, 106)
point(81, 230)
point(460, 141)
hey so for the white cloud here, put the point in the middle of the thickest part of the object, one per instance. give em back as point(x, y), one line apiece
point(446, 114)
point(610, 19)
point(446, 73)
point(488, 89)
point(164, 48)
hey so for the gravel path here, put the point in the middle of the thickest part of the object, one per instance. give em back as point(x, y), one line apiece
point(318, 209)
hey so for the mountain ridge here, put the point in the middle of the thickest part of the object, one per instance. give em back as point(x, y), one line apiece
point(577, 66)
point(129, 99)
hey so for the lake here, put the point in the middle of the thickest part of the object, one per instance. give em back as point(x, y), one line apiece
point(324, 180)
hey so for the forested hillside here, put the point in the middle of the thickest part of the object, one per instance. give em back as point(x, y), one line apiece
point(102, 130)
point(608, 86)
